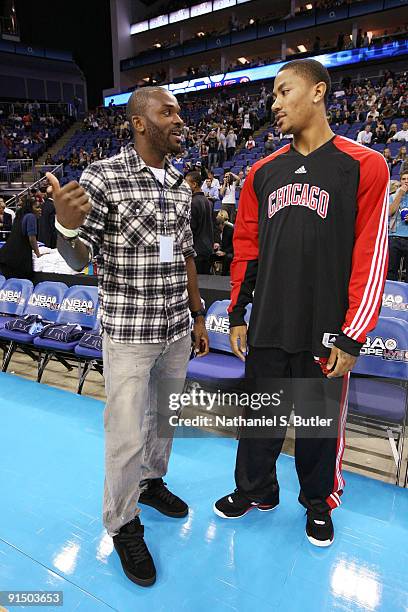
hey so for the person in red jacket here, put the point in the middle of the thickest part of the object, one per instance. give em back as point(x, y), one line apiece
point(310, 253)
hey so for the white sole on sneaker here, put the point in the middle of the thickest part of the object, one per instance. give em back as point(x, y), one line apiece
point(222, 515)
point(320, 543)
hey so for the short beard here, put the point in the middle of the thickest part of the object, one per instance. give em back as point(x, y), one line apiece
point(158, 141)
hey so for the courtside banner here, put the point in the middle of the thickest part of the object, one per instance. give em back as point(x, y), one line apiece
point(260, 73)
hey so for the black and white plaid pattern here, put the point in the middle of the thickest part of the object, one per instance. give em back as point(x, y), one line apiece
point(142, 300)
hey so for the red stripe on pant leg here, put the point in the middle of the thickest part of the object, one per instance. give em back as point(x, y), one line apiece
point(338, 478)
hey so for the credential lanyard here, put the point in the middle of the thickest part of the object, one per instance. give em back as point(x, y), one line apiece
point(162, 199)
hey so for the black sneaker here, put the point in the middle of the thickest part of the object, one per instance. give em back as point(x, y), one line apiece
point(319, 528)
point(158, 496)
point(235, 505)
point(134, 555)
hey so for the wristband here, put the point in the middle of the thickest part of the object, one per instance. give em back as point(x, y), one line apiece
point(68, 233)
point(197, 313)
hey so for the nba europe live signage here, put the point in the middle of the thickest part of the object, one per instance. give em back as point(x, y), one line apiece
point(261, 73)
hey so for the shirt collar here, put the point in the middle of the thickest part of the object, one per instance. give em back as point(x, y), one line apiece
point(135, 164)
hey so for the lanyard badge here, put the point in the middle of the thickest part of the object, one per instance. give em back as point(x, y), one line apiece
point(166, 243)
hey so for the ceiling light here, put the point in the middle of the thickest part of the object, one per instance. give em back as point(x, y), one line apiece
point(200, 34)
point(251, 21)
point(157, 45)
point(309, 7)
point(302, 48)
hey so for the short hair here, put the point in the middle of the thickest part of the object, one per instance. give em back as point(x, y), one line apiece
point(312, 70)
point(195, 176)
point(139, 101)
point(222, 216)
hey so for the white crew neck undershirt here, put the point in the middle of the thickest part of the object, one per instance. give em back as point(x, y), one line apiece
point(159, 173)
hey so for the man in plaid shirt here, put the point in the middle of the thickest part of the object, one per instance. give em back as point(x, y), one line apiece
point(132, 211)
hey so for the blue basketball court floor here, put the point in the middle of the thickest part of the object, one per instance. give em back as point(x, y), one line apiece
point(52, 538)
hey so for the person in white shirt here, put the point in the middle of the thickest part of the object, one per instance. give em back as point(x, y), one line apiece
point(210, 190)
point(401, 134)
point(231, 142)
point(213, 180)
point(246, 126)
point(372, 113)
point(227, 193)
point(365, 136)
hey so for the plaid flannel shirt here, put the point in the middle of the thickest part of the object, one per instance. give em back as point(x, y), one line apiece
point(141, 299)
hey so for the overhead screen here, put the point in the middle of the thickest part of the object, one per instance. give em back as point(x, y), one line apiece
point(262, 73)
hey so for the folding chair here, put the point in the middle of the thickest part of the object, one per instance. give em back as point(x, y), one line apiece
point(14, 296)
point(378, 385)
point(220, 362)
point(79, 306)
point(395, 300)
point(89, 358)
point(44, 301)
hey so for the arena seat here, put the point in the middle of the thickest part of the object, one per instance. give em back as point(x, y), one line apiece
point(378, 385)
point(14, 296)
point(89, 358)
point(79, 306)
point(220, 363)
point(45, 301)
point(395, 300)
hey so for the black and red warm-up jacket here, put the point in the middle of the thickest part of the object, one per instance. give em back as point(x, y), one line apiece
point(311, 248)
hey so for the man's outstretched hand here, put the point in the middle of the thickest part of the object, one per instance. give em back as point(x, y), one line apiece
point(71, 202)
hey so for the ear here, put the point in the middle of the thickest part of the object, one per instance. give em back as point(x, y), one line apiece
point(319, 92)
point(138, 124)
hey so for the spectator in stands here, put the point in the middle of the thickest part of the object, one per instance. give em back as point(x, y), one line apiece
point(200, 168)
point(224, 249)
point(392, 131)
point(222, 146)
point(210, 188)
point(380, 134)
point(250, 143)
point(6, 220)
point(365, 136)
point(212, 142)
point(373, 113)
point(269, 144)
point(401, 134)
point(227, 193)
point(231, 143)
point(144, 311)
point(201, 224)
point(247, 126)
point(178, 162)
point(398, 228)
point(16, 259)
point(401, 158)
point(388, 158)
point(46, 224)
point(203, 152)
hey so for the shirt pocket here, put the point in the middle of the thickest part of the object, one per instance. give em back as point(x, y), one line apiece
point(138, 223)
point(183, 216)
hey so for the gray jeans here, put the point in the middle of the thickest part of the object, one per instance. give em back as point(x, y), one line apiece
point(133, 452)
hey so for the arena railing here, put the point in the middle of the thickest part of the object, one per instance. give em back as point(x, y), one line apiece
point(57, 170)
point(45, 108)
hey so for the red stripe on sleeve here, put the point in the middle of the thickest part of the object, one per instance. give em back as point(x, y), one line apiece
point(370, 251)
